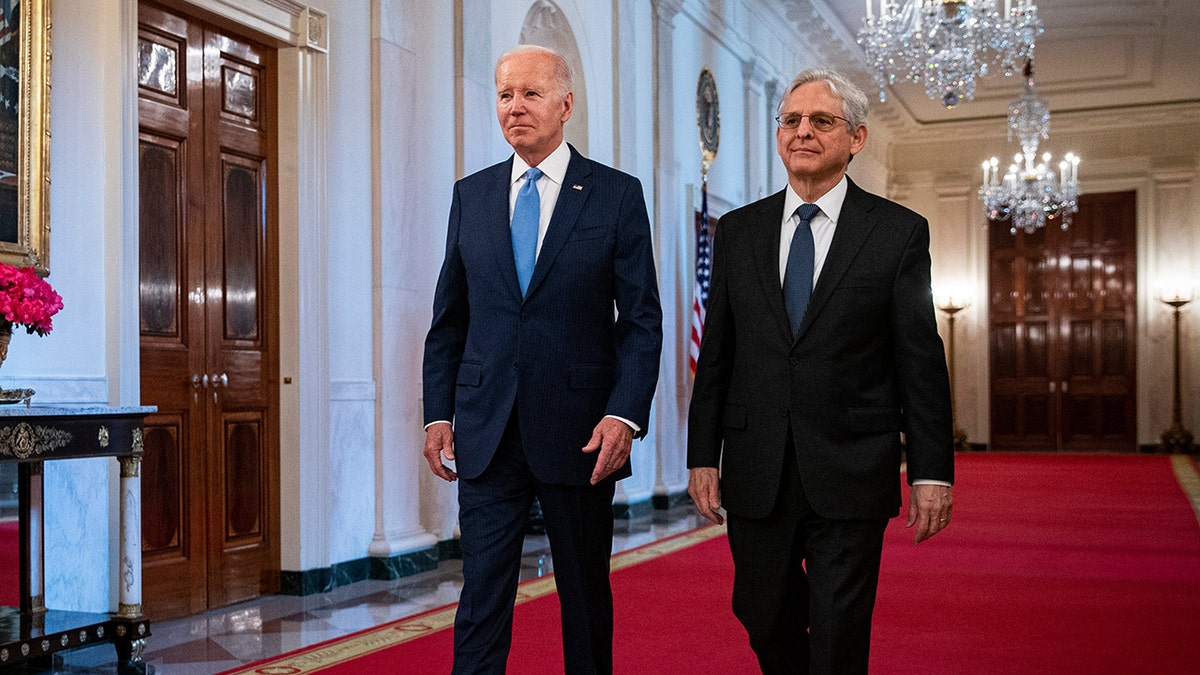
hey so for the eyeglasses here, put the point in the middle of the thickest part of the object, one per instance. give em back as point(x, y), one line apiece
point(819, 121)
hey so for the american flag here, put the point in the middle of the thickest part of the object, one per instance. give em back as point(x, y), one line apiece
point(703, 274)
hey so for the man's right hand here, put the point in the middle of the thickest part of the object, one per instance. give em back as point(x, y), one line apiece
point(704, 487)
point(439, 442)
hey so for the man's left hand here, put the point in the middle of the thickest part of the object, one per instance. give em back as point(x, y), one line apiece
point(929, 508)
point(613, 438)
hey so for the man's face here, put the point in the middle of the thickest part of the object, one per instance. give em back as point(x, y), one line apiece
point(811, 155)
point(529, 105)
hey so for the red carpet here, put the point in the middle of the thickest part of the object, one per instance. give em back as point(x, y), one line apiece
point(663, 595)
point(664, 619)
point(1054, 564)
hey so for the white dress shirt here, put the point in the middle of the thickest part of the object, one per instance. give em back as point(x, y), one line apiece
point(554, 169)
point(823, 225)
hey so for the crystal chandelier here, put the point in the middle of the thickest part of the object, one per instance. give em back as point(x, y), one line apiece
point(946, 44)
point(1030, 193)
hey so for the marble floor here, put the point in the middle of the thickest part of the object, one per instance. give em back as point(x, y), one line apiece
point(227, 638)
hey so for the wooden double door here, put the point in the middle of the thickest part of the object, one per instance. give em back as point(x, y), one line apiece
point(208, 314)
point(1062, 314)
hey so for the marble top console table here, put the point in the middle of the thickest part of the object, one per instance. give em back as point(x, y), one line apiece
point(31, 435)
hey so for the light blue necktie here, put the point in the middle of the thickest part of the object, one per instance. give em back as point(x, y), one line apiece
point(798, 275)
point(526, 213)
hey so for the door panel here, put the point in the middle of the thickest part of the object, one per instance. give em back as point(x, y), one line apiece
point(243, 538)
point(1023, 414)
point(208, 307)
point(1098, 379)
point(160, 174)
point(1062, 316)
point(163, 478)
point(242, 249)
point(171, 275)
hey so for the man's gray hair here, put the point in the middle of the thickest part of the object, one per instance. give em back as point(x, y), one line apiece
point(854, 101)
point(562, 69)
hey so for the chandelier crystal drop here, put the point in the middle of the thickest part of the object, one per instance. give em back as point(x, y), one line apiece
point(946, 44)
point(1029, 193)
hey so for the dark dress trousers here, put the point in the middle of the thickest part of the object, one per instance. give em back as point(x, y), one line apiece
point(526, 380)
point(812, 423)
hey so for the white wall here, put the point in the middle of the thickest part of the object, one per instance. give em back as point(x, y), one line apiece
point(77, 362)
point(415, 168)
point(351, 456)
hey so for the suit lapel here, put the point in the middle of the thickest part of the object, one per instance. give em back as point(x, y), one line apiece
point(496, 226)
point(854, 226)
point(572, 195)
point(766, 257)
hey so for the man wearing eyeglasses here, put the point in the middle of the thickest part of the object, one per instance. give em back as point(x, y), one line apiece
point(820, 349)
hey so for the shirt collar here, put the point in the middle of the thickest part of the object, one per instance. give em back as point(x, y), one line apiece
point(830, 203)
point(553, 167)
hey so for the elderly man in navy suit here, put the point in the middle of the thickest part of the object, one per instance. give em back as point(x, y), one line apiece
point(820, 348)
point(540, 365)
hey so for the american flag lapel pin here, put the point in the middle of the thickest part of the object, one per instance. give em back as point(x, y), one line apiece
point(577, 187)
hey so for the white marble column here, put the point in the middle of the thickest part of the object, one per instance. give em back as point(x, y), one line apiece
point(627, 55)
point(754, 86)
point(304, 293)
point(129, 603)
point(401, 305)
point(673, 230)
point(772, 171)
point(958, 249)
point(1174, 238)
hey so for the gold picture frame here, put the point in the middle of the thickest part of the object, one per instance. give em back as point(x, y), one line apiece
point(25, 133)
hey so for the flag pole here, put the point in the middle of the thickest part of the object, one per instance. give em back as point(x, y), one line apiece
point(703, 269)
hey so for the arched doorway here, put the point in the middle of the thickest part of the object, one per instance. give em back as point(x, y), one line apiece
point(546, 25)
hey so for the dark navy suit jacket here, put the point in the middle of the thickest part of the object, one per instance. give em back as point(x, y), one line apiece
point(582, 344)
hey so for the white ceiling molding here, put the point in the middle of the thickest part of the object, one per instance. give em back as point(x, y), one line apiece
point(288, 22)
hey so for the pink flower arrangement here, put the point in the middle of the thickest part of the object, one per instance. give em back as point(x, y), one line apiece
point(27, 300)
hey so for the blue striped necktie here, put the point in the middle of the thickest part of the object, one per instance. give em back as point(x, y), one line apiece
point(526, 213)
point(798, 275)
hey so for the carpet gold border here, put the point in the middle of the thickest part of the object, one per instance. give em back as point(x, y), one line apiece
point(1189, 479)
point(340, 650)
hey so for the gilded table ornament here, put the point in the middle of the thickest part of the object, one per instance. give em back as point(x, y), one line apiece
point(129, 466)
point(15, 396)
point(25, 440)
point(129, 612)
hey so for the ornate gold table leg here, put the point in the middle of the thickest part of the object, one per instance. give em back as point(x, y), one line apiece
point(37, 539)
point(131, 628)
point(130, 598)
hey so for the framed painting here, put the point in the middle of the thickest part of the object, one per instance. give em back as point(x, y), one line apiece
point(25, 133)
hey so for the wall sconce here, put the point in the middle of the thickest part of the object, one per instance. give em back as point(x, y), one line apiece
point(953, 302)
point(1177, 439)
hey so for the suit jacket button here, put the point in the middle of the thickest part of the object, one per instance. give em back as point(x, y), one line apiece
point(795, 362)
point(783, 412)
